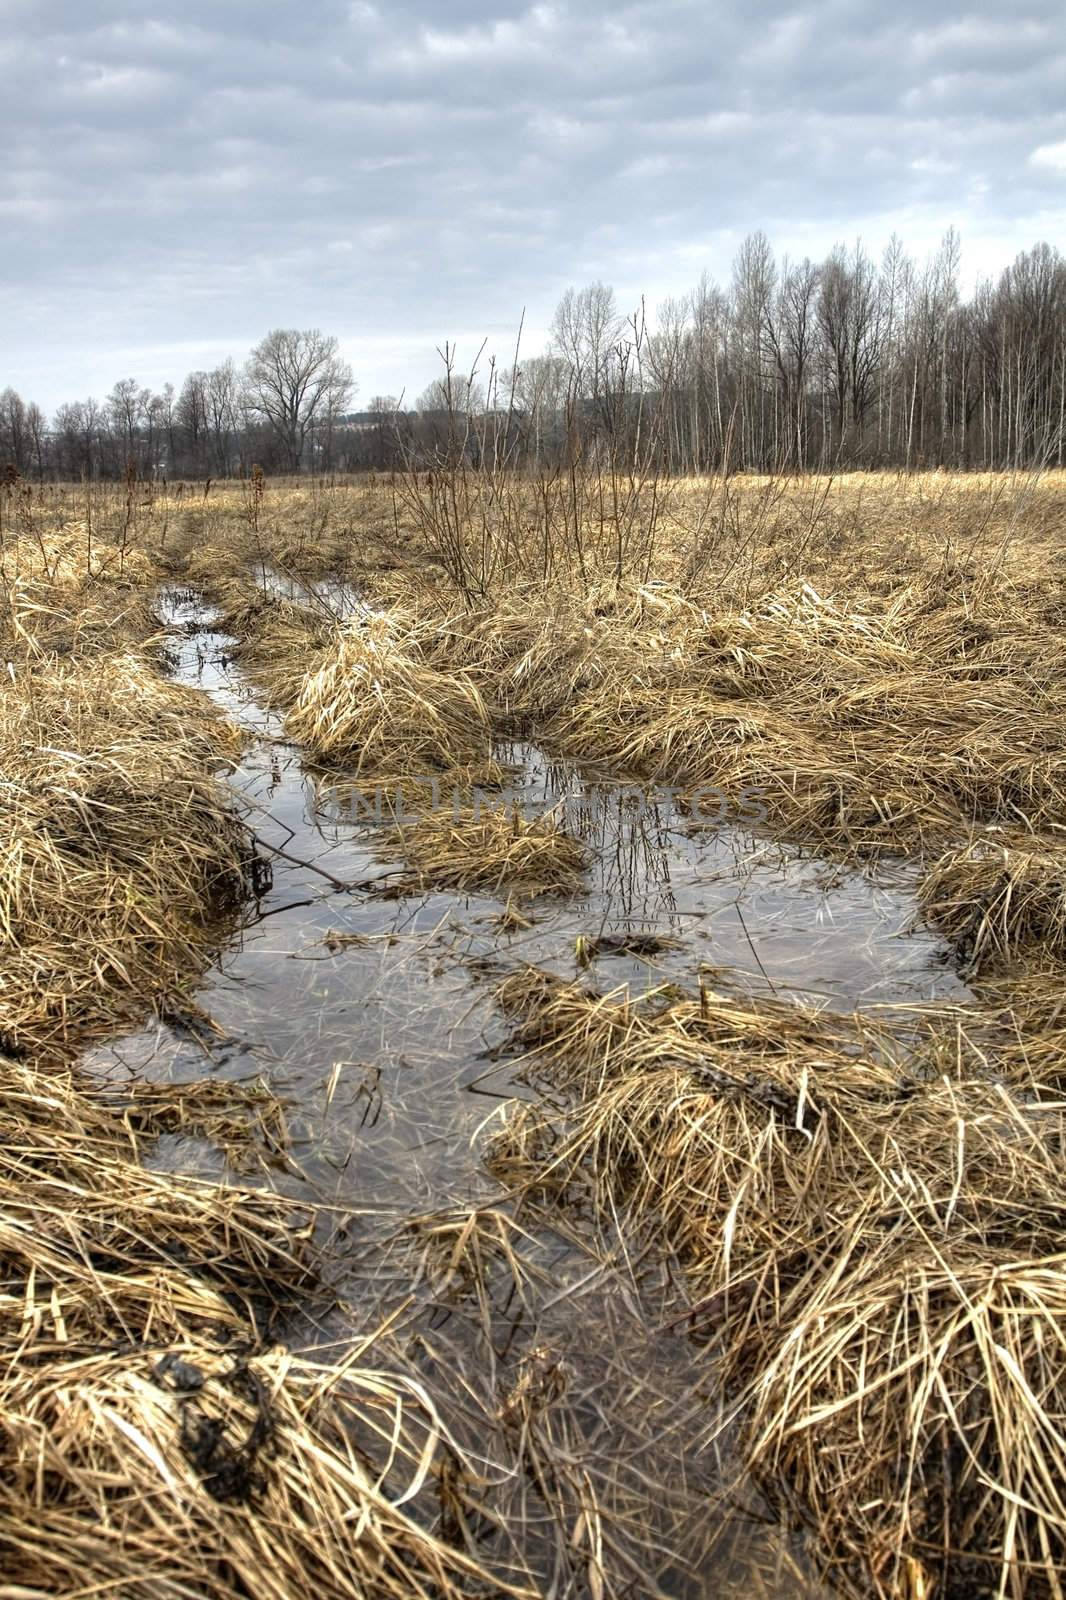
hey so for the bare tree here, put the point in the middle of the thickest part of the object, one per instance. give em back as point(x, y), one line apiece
point(14, 435)
point(790, 330)
point(223, 414)
point(125, 406)
point(36, 433)
point(539, 388)
point(451, 392)
point(787, 365)
point(754, 282)
point(294, 379)
point(190, 419)
point(585, 329)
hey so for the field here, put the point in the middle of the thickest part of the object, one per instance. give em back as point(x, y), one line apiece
point(287, 1310)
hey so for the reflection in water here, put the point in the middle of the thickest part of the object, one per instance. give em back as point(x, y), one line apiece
point(322, 986)
point(372, 1018)
point(338, 600)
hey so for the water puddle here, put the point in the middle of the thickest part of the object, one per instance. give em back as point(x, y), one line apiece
point(373, 1020)
point(372, 1017)
point(337, 599)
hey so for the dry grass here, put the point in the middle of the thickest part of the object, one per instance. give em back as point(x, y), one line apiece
point(120, 848)
point(869, 1214)
point(489, 850)
point(866, 732)
point(153, 1439)
point(885, 656)
point(872, 1230)
point(371, 702)
point(997, 898)
point(918, 1403)
point(245, 1122)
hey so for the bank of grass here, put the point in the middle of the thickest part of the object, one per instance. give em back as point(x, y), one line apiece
point(872, 1228)
point(868, 1214)
point(1000, 898)
point(371, 702)
point(120, 849)
point(884, 656)
point(154, 1439)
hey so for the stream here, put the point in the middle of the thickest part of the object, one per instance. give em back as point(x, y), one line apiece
point(372, 1018)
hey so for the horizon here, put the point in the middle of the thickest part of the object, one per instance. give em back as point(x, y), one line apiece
point(422, 363)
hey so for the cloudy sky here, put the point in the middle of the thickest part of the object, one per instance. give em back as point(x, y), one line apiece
point(179, 178)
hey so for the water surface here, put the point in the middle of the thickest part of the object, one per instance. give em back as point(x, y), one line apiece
point(372, 1017)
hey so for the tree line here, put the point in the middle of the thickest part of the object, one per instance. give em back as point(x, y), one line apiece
point(850, 361)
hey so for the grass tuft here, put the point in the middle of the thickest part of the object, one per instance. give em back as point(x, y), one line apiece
point(371, 701)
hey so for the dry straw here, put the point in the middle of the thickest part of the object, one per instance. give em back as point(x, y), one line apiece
point(996, 897)
point(371, 701)
point(869, 1214)
point(153, 1440)
point(489, 850)
point(119, 846)
point(873, 1244)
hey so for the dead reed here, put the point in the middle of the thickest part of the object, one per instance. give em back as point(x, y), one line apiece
point(869, 1213)
point(120, 847)
point(370, 701)
point(1000, 896)
point(489, 850)
point(873, 1234)
point(153, 1439)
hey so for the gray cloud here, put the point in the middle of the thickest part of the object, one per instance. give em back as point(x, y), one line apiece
point(175, 183)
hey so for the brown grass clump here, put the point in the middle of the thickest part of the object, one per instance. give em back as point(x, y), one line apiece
point(118, 847)
point(866, 723)
point(488, 851)
point(60, 597)
point(246, 1122)
point(373, 703)
point(274, 635)
point(917, 1402)
point(65, 556)
point(998, 898)
point(153, 1440)
point(682, 1105)
point(869, 1212)
point(873, 1234)
point(534, 653)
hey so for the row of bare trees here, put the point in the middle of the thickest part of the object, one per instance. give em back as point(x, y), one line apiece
point(844, 362)
point(280, 409)
point(791, 365)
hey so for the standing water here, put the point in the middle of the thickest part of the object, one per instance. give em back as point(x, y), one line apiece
point(372, 1018)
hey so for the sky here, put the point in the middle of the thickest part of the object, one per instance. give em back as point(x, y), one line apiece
point(177, 179)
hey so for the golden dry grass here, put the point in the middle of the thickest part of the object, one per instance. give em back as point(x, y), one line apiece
point(489, 850)
point(1000, 896)
point(154, 1440)
point(874, 1246)
point(868, 1213)
point(120, 847)
point(370, 702)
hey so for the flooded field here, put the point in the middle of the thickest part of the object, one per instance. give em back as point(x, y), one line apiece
point(626, 1164)
point(372, 1016)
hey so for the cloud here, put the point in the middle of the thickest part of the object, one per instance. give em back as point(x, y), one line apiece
point(528, 36)
point(181, 182)
point(1050, 157)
